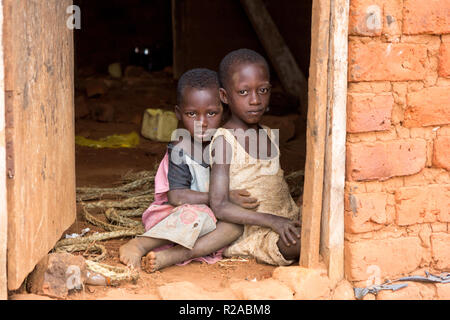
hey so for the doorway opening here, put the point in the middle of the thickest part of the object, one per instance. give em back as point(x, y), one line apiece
point(144, 39)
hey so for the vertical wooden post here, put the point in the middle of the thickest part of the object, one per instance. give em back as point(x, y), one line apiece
point(179, 38)
point(315, 134)
point(332, 229)
point(292, 78)
point(3, 202)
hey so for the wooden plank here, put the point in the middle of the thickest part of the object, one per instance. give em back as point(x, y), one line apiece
point(3, 206)
point(290, 75)
point(179, 37)
point(39, 75)
point(315, 134)
point(332, 227)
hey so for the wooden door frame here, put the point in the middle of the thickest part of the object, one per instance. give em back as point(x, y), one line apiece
point(44, 118)
point(3, 202)
point(323, 207)
point(323, 198)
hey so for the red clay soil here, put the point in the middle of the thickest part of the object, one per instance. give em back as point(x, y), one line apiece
point(104, 167)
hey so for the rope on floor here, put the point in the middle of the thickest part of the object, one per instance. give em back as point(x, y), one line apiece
point(118, 222)
point(118, 212)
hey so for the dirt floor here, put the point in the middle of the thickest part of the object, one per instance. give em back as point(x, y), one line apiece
point(127, 98)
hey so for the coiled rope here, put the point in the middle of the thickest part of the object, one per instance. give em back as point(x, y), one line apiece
point(118, 212)
point(137, 193)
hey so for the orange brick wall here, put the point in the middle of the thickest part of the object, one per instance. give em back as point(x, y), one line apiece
point(397, 197)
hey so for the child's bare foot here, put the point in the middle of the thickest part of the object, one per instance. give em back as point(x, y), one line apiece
point(149, 263)
point(132, 252)
point(155, 261)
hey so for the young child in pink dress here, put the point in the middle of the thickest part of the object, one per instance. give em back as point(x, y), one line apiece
point(179, 220)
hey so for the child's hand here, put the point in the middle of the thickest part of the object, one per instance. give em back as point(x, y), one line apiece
point(242, 198)
point(288, 230)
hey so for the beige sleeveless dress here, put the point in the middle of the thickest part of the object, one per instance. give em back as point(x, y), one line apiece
point(265, 181)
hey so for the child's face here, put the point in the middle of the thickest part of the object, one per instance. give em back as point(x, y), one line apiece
point(248, 92)
point(201, 108)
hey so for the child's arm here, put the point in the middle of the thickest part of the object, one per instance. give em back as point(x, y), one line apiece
point(225, 210)
point(187, 196)
point(179, 177)
point(178, 197)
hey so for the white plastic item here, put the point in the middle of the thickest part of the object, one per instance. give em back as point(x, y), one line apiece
point(96, 279)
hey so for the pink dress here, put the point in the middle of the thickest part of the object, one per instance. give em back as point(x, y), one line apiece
point(160, 210)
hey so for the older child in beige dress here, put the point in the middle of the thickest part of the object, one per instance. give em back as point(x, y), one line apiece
point(239, 160)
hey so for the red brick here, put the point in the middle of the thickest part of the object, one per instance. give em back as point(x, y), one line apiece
point(268, 289)
point(428, 107)
point(343, 291)
point(442, 291)
point(366, 17)
point(440, 201)
point(386, 61)
point(369, 112)
point(443, 131)
point(414, 291)
point(444, 60)
point(391, 257)
point(365, 212)
point(411, 292)
point(441, 152)
point(392, 13)
point(375, 17)
point(422, 204)
point(430, 17)
point(306, 283)
point(385, 159)
point(440, 250)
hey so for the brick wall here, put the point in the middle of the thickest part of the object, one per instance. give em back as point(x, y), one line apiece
point(397, 197)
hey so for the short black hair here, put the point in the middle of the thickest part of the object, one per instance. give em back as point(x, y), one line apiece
point(199, 78)
point(236, 57)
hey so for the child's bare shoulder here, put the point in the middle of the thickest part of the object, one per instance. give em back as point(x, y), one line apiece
point(220, 150)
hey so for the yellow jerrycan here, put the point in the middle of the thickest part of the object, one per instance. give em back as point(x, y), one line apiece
point(158, 124)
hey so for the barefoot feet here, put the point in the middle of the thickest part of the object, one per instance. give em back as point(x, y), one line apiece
point(149, 263)
point(131, 253)
point(154, 261)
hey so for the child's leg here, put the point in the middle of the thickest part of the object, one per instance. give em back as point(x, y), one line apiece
point(131, 253)
point(291, 252)
point(224, 234)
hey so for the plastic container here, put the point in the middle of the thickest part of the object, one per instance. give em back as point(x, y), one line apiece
point(95, 279)
point(158, 124)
